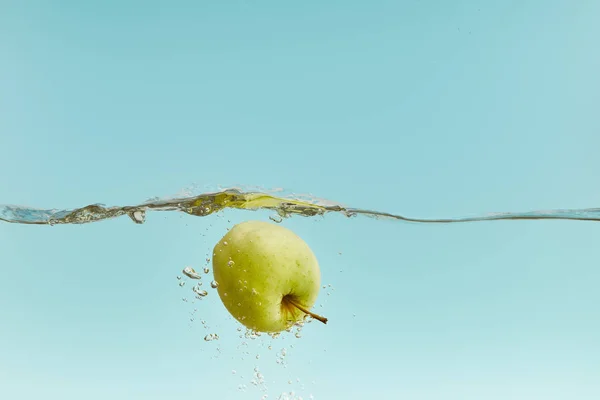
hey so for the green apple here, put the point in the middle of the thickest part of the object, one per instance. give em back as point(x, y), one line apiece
point(268, 278)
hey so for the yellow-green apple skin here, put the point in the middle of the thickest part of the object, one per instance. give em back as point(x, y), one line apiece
point(258, 266)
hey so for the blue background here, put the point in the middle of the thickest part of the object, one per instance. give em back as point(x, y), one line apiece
point(423, 108)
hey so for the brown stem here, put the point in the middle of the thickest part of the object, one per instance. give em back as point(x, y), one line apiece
point(305, 310)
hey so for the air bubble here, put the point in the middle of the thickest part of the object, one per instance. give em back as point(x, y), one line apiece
point(200, 292)
point(214, 284)
point(277, 219)
point(182, 283)
point(206, 270)
point(211, 336)
point(230, 263)
point(191, 273)
point(138, 216)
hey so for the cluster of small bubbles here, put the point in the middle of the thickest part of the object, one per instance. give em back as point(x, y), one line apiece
point(254, 292)
point(299, 325)
point(184, 299)
point(280, 357)
point(330, 288)
point(258, 378)
point(214, 284)
point(274, 335)
point(211, 336)
point(289, 396)
point(252, 334)
point(242, 387)
point(192, 315)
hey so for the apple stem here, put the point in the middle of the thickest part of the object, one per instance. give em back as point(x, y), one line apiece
point(306, 311)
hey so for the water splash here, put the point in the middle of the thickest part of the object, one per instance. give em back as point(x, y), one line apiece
point(209, 203)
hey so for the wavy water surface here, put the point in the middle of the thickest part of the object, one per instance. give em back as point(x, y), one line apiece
point(234, 198)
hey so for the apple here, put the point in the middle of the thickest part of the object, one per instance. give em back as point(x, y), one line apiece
point(268, 278)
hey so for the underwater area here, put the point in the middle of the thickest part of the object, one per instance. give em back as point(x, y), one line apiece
point(439, 159)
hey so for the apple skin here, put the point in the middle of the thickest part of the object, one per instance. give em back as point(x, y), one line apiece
point(258, 265)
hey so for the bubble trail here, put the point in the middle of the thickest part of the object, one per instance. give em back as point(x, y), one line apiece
point(209, 203)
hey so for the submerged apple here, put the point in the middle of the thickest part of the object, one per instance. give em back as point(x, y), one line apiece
point(268, 278)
